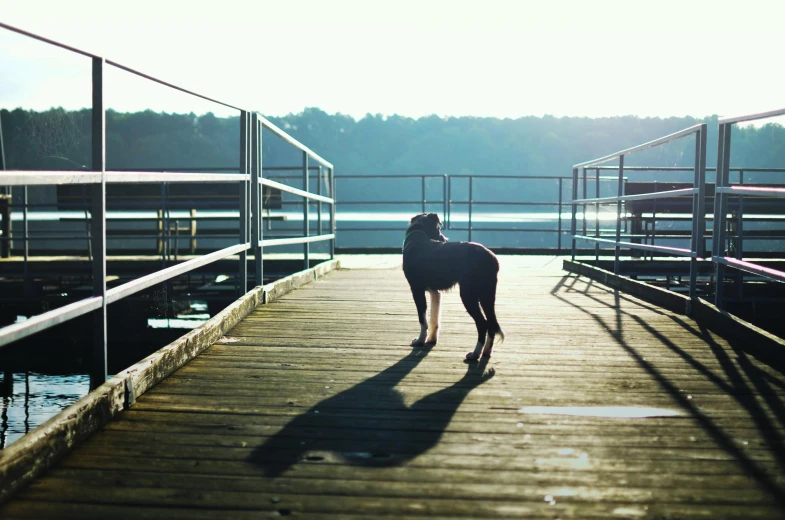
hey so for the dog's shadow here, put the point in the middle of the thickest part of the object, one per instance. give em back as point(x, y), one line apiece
point(369, 424)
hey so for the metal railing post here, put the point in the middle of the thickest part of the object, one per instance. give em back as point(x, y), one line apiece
point(99, 370)
point(245, 167)
point(333, 227)
point(445, 216)
point(617, 248)
point(319, 203)
point(740, 222)
point(720, 210)
point(574, 219)
point(584, 181)
point(4, 190)
point(5, 205)
point(471, 195)
point(558, 208)
point(256, 199)
point(698, 208)
point(449, 202)
point(422, 191)
point(597, 216)
point(28, 286)
point(306, 214)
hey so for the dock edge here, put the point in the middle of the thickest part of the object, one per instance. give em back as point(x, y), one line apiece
point(33, 454)
point(762, 344)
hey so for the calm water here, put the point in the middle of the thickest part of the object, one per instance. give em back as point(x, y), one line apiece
point(34, 399)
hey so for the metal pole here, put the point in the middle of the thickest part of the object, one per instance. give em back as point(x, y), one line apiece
point(740, 240)
point(162, 224)
point(5, 204)
point(585, 193)
point(558, 233)
point(449, 202)
point(306, 215)
point(444, 200)
point(4, 190)
point(422, 191)
point(332, 213)
point(256, 199)
point(28, 286)
point(99, 370)
point(618, 216)
point(740, 223)
point(167, 226)
point(574, 220)
point(698, 208)
point(245, 122)
point(720, 210)
point(319, 203)
point(471, 194)
point(597, 216)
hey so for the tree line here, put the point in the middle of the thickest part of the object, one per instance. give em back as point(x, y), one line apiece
point(375, 144)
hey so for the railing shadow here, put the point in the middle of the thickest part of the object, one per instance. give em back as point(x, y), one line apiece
point(738, 381)
point(370, 423)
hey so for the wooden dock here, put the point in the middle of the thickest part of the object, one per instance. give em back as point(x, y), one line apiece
point(598, 405)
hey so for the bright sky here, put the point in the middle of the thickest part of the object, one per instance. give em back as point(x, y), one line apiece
point(501, 58)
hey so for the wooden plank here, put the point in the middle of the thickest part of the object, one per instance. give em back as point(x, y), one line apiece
point(315, 405)
point(29, 457)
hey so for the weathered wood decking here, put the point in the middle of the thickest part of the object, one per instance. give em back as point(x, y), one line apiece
point(315, 406)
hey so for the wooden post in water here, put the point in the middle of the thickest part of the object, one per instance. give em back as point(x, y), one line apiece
point(7, 388)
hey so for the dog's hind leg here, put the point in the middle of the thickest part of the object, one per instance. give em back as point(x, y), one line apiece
point(433, 325)
point(422, 307)
point(488, 303)
point(472, 304)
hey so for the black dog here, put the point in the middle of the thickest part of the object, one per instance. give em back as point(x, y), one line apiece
point(433, 264)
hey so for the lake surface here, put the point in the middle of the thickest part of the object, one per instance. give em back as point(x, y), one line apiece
point(34, 399)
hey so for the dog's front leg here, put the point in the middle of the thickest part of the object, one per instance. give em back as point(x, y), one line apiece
point(422, 307)
point(433, 325)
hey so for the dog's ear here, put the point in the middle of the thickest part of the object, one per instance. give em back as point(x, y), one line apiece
point(417, 217)
point(433, 219)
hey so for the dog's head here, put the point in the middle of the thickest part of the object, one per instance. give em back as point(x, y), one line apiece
point(430, 224)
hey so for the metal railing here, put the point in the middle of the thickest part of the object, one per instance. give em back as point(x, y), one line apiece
point(249, 180)
point(669, 212)
point(511, 207)
point(456, 197)
point(166, 214)
point(697, 192)
point(471, 202)
point(723, 192)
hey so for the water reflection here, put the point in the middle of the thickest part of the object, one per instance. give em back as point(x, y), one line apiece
point(29, 399)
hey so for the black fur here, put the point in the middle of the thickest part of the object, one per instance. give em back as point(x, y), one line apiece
point(430, 262)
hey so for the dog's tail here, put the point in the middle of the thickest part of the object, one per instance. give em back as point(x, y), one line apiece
point(499, 334)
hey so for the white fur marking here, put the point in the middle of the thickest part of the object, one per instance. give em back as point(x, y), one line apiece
point(434, 324)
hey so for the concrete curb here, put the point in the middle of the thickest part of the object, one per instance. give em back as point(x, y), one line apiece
point(37, 451)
